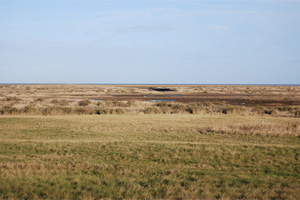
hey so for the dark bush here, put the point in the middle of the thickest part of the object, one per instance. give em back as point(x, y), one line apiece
point(84, 103)
point(228, 110)
point(297, 111)
point(193, 109)
point(189, 110)
point(101, 111)
point(163, 104)
point(268, 112)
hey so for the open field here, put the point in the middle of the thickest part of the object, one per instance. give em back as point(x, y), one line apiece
point(100, 141)
point(149, 156)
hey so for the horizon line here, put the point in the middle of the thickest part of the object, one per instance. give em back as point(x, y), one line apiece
point(287, 84)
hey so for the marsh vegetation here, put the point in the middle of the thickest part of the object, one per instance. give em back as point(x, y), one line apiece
point(55, 145)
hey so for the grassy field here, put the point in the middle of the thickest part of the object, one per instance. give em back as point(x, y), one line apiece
point(157, 156)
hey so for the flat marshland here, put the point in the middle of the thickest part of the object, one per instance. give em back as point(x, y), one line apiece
point(57, 141)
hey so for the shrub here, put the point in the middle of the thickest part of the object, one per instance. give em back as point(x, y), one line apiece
point(152, 110)
point(205, 103)
point(82, 111)
point(130, 103)
point(116, 104)
point(84, 103)
point(228, 110)
point(193, 108)
point(29, 110)
point(274, 113)
point(121, 104)
point(66, 110)
point(48, 110)
point(119, 111)
point(8, 110)
point(165, 109)
point(60, 102)
point(189, 110)
point(268, 112)
point(101, 111)
point(56, 110)
point(285, 108)
point(12, 99)
point(163, 104)
point(178, 108)
point(55, 101)
point(297, 111)
point(99, 103)
point(63, 103)
point(39, 99)
point(259, 110)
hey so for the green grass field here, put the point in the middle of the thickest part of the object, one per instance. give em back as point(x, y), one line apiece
point(149, 156)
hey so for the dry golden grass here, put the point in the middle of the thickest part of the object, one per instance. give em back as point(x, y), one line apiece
point(118, 99)
point(30, 93)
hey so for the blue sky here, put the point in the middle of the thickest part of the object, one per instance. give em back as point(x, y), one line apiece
point(150, 41)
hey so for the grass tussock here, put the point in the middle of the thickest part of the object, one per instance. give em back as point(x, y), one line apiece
point(84, 103)
point(58, 110)
point(11, 99)
point(60, 102)
point(259, 128)
point(40, 99)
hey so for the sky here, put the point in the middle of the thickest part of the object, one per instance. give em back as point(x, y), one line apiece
point(150, 41)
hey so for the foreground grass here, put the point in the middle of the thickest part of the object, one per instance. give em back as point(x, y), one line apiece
point(149, 156)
